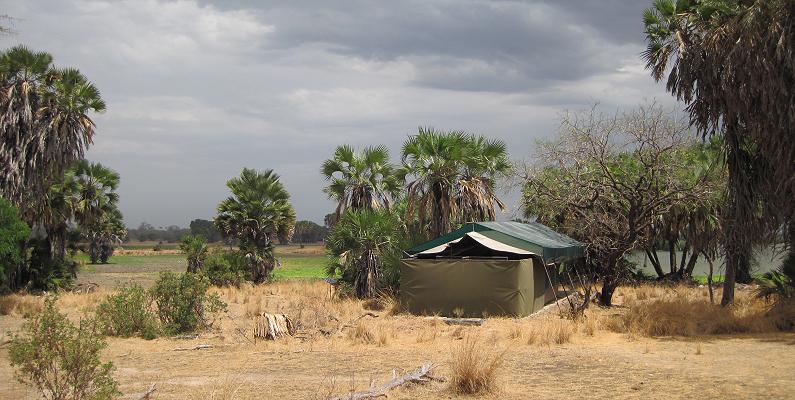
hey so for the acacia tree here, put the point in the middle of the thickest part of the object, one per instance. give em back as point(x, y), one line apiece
point(360, 180)
point(257, 214)
point(454, 178)
point(694, 226)
point(733, 64)
point(607, 179)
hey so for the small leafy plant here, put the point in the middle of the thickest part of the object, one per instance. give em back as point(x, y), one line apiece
point(183, 303)
point(128, 313)
point(61, 359)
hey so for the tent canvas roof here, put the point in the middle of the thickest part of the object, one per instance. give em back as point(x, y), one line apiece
point(532, 237)
point(474, 242)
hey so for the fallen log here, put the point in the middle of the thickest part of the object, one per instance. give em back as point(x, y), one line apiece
point(273, 326)
point(463, 321)
point(421, 375)
point(197, 347)
point(145, 396)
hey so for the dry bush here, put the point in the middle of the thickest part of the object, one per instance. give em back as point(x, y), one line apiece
point(22, 305)
point(428, 334)
point(590, 324)
point(558, 331)
point(516, 332)
point(474, 368)
point(362, 333)
point(220, 389)
point(686, 313)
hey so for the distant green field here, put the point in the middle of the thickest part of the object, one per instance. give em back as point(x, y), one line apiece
point(144, 269)
point(301, 267)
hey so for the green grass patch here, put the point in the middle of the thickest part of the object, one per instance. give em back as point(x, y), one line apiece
point(702, 279)
point(301, 267)
point(294, 266)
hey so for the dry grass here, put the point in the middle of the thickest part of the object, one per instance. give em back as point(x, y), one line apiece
point(682, 311)
point(226, 388)
point(21, 305)
point(371, 347)
point(474, 368)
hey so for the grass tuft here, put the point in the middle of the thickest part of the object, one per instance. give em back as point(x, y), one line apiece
point(475, 368)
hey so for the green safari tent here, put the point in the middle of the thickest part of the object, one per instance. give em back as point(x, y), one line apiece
point(485, 268)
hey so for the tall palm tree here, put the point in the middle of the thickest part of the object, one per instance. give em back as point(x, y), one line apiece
point(733, 64)
point(435, 160)
point(258, 213)
point(360, 180)
point(485, 161)
point(454, 178)
point(45, 123)
point(362, 239)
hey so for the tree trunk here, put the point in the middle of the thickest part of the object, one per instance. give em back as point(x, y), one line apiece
point(733, 246)
point(691, 265)
point(709, 282)
point(683, 260)
point(609, 285)
point(655, 262)
point(744, 267)
point(672, 256)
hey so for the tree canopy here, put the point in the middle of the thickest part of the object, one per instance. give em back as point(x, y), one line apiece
point(732, 62)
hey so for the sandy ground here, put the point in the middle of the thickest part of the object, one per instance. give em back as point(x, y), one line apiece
point(595, 363)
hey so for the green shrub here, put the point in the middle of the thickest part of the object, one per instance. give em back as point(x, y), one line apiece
point(183, 303)
point(226, 269)
point(128, 313)
point(61, 359)
point(13, 233)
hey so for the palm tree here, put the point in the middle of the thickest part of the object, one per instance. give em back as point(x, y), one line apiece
point(88, 197)
point(45, 123)
point(362, 239)
point(454, 175)
point(195, 249)
point(360, 180)
point(91, 192)
point(258, 213)
point(435, 160)
point(104, 235)
point(486, 159)
point(732, 64)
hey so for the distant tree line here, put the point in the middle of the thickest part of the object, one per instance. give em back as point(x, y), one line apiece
point(305, 232)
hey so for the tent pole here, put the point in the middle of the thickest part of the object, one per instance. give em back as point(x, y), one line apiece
point(552, 286)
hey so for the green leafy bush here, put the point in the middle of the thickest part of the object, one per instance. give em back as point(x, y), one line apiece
point(128, 313)
point(13, 233)
point(183, 303)
point(226, 269)
point(61, 359)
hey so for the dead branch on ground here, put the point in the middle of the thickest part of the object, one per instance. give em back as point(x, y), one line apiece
point(197, 347)
point(422, 375)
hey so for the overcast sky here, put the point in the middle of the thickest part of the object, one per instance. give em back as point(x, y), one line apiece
point(197, 90)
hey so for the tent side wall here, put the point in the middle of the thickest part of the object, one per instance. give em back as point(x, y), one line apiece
point(472, 287)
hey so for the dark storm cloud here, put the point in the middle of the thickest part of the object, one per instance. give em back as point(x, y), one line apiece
point(472, 45)
point(197, 90)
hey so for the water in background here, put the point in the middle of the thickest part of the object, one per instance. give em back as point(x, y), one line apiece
point(765, 260)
